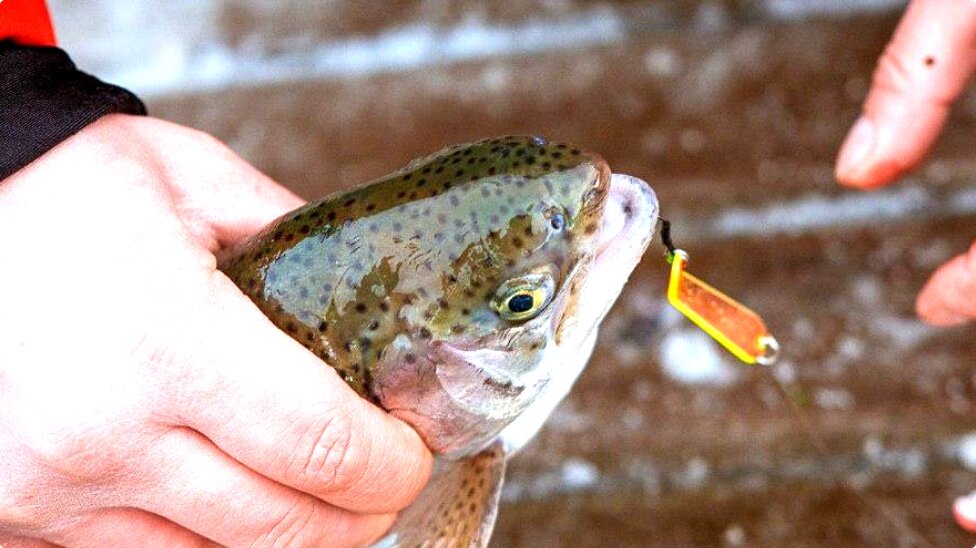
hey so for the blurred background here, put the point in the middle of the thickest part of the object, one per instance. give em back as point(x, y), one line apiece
point(733, 110)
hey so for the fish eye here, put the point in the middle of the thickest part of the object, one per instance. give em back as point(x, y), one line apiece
point(557, 221)
point(521, 302)
point(523, 298)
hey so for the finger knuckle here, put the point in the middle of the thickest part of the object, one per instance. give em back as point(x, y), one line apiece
point(78, 455)
point(81, 444)
point(20, 513)
point(331, 456)
point(903, 70)
point(893, 70)
point(207, 142)
point(292, 528)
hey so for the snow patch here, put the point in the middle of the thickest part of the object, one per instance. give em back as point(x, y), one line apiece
point(689, 356)
point(833, 398)
point(579, 474)
point(803, 9)
point(818, 211)
point(210, 64)
point(966, 451)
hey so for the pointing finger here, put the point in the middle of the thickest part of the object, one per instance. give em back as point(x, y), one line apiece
point(220, 197)
point(924, 69)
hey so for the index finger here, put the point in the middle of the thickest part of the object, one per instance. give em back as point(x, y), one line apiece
point(924, 69)
point(276, 408)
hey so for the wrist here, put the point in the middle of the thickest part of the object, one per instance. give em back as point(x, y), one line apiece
point(44, 100)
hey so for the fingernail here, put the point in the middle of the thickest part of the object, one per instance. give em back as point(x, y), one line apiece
point(855, 151)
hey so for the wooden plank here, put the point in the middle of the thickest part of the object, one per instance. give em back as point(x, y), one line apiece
point(746, 119)
point(742, 117)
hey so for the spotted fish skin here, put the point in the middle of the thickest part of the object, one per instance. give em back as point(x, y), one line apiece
point(396, 283)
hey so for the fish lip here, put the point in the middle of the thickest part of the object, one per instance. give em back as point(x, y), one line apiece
point(631, 211)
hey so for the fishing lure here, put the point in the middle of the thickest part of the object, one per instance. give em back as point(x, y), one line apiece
point(737, 328)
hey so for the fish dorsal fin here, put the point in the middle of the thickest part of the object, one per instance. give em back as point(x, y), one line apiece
point(458, 506)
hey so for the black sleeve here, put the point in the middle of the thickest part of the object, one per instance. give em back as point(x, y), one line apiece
point(44, 99)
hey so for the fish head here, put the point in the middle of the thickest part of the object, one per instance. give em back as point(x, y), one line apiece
point(521, 295)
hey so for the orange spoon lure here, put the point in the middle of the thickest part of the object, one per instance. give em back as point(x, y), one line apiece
point(737, 328)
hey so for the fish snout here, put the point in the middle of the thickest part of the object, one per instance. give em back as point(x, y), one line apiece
point(630, 212)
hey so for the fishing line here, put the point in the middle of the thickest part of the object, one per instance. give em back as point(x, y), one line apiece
point(743, 333)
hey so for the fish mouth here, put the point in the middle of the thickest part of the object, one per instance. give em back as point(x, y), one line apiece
point(626, 229)
point(628, 218)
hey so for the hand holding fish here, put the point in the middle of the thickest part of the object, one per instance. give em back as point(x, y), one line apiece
point(142, 395)
point(924, 70)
